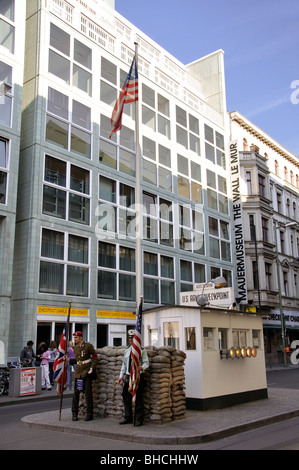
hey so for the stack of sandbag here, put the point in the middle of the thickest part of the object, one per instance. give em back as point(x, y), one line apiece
point(164, 393)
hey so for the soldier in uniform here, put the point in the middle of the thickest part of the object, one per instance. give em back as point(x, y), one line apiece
point(86, 360)
point(124, 377)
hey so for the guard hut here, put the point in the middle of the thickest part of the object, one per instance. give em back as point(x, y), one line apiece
point(225, 363)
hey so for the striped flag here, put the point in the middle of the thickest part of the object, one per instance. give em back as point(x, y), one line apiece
point(136, 356)
point(59, 363)
point(128, 94)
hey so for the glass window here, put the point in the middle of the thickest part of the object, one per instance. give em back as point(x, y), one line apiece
point(190, 339)
point(148, 117)
point(80, 142)
point(3, 153)
point(59, 39)
point(78, 249)
point(54, 202)
point(193, 124)
point(82, 54)
point(164, 156)
point(7, 9)
point(55, 171)
point(107, 189)
point(163, 105)
point(171, 334)
point(127, 162)
point(107, 285)
point(108, 94)
point(79, 180)
point(183, 165)
point(149, 173)
point(58, 103)
point(59, 66)
point(126, 259)
point(7, 36)
point(149, 148)
point(181, 116)
point(52, 244)
point(150, 264)
point(51, 277)
point(77, 281)
point(81, 115)
point(3, 181)
point(181, 136)
point(107, 154)
point(209, 338)
point(108, 71)
point(57, 132)
point(79, 209)
point(107, 255)
point(148, 95)
point(222, 338)
point(209, 134)
point(82, 79)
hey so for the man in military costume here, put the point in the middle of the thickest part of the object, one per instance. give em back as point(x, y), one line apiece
point(86, 360)
point(125, 376)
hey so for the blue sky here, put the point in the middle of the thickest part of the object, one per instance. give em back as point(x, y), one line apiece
point(260, 40)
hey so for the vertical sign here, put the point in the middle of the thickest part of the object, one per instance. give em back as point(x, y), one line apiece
point(241, 292)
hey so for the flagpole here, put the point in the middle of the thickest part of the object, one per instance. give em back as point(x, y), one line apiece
point(65, 357)
point(138, 198)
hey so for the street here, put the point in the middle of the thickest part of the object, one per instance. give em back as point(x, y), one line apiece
point(279, 436)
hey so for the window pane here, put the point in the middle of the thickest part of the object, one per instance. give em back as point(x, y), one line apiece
point(148, 96)
point(223, 204)
point(3, 153)
point(58, 103)
point(127, 289)
point(209, 134)
point(214, 248)
point(164, 156)
point(108, 93)
point(79, 179)
point(149, 173)
point(164, 126)
point(55, 171)
point(165, 178)
point(127, 162)
point(149, 148)
point(126, 259)
point(78, 249)
point(195, 171)
point(7, 36)
point(183, 165)
point(82, 79)
point(151, 264)
point(77, 281)
point(51, 278)
point(126, 195)
point(183, 187)
point(127, 138)
point(181, 136)
point(107, 154)
point(193, 124)
point(107, 190)
point(181, 116)
point(212, 199)
point(81, 115)
point(57, 132)
point(108, 70)
point(106, 285)
point(59, 66)
point(52, 244)
point(194, 144)
point(59, 39)
point(79, 209)
point(210, 153)
point(107, 255)
point(196, 192)
point(82, 54)
point(219, 140)
point(3, 178)
point(148, 117)
point(167, 293)
point(163, 105)
point(5, 115)
point(167, 267)
point(7, 9)
point(186, 271)
point(54, 202)
point(80, 142)
point(151, 291)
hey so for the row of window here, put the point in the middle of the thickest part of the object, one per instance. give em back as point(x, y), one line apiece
point(65, 270)
point(71, 61)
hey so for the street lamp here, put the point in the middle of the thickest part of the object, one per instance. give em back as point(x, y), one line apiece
point(202, 299)
point(280, 294)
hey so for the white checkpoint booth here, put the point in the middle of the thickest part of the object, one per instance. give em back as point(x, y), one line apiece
point(225, 361)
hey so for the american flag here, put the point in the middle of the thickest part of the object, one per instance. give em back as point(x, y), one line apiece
point(59, 363)
point(128, 94)
point(135, 356)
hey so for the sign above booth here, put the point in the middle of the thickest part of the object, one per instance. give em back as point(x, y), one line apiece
point(221, 298)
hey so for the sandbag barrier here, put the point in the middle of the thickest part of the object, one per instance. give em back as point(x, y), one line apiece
point(164, 394)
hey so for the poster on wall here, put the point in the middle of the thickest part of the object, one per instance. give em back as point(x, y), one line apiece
point(28, 381)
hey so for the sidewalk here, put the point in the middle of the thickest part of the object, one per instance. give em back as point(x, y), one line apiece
point(198, 427)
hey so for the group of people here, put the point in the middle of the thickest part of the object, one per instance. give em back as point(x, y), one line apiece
point(44, 358)
point(84, 358)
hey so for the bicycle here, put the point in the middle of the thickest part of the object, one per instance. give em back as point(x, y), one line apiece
point(4, 381)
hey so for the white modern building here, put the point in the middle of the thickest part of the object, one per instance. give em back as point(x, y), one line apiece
point(75, 238)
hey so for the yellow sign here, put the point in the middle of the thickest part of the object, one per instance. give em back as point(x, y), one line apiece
point(112, 314)
point(45, 310)
point(250, 309)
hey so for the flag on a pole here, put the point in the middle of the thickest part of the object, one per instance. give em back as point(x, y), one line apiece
point(136, 356)
point(59, 363)
point(128, 94)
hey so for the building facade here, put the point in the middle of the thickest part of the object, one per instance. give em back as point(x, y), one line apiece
point(75, 227)
point(12, 33)
point(270, 204)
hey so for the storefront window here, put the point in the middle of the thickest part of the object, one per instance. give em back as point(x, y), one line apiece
point(209, 338)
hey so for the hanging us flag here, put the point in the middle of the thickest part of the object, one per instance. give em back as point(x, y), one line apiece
point(59, 363)
point(136, 356)
point(128, 94)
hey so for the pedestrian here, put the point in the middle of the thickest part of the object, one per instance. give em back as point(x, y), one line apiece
point(39, 353)
point(125, 376)
point(45, 357)
point(70, 368)
point(53, 354)
point(86, 360)
point(27, 354)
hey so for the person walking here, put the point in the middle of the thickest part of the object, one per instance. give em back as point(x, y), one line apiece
point(86, 360)
point(125, 376)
